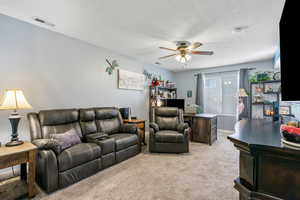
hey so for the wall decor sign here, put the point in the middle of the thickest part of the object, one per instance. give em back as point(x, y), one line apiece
point(131, 80)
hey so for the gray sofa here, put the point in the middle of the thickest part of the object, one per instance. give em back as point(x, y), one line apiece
point(168, 132)
point(58, 170)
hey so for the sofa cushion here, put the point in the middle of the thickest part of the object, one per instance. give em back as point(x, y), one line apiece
point(166, 111)
point(107, 145)
point(124, 140)
point(77, 155)
point(108, 120)
point(107, 113)
point(62, 128)
point(109, 126)
point(169, 137)
point(167, 123)
point(87, 121)
point(58, 117)
point(59, 121)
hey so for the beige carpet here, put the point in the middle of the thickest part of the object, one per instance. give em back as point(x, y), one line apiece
point(206, 173)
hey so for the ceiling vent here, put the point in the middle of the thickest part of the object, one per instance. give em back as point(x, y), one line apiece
point(37, 19)
point(239, 29)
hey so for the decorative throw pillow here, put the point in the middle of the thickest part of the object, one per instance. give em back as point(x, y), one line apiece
point(67, 139)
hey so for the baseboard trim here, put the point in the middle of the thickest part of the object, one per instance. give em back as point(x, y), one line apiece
point(226, 131)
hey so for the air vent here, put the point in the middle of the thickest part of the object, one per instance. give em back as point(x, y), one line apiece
point(239, 29)
point(37, 19)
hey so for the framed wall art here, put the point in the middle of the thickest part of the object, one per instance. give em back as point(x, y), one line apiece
point(130, 80)
point(285, 110)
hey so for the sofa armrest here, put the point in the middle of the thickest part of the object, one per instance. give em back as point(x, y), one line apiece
point(48, 144)
point(181, 127)
point(154, 126)
point(129, 128)
point(96, 136)
point(47, 170)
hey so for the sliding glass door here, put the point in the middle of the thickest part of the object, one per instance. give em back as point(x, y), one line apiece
point(220, 97)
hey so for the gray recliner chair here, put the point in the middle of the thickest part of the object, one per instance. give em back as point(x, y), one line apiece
point(168, 132)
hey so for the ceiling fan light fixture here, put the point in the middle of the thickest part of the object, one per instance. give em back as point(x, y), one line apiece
point(183, 58)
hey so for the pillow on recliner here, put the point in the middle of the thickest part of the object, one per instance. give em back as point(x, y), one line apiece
point(67, 139)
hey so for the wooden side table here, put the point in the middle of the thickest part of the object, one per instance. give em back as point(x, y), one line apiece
point(21, 155)
point(141, 126)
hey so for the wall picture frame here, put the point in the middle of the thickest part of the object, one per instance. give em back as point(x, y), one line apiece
point(130, 80)
point(285, 110)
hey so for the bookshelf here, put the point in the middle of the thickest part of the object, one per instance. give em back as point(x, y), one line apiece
point(264, 99)
point(157, 96)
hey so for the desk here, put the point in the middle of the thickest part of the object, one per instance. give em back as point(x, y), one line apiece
point(268, 170)
point(21, 155)
point(204, 127)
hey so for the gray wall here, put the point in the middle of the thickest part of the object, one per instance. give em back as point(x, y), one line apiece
point(56, 71)
point(187, 81)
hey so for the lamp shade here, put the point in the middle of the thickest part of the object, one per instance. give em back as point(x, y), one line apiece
point(242, 93)
point(183, 58)
point(14, 100)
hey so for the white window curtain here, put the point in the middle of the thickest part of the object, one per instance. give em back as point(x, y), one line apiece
point(220, 93)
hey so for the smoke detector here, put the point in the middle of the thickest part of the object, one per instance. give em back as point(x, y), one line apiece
point(42, 21)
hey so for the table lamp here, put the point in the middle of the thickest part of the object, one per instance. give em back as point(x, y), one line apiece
point(14, 100)
point(242, 94)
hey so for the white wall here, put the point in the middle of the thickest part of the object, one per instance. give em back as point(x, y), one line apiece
point(56, 71)
point(187, 81)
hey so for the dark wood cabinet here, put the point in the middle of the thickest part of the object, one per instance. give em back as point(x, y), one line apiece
point(268, 169)
point(204, 127)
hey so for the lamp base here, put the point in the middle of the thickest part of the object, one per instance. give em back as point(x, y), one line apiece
point(14, 143)
point(14, 119)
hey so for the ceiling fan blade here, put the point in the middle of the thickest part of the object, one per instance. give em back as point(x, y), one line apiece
point(196, 45)
point(203, 52)
point(168, 56)
point(165, 48)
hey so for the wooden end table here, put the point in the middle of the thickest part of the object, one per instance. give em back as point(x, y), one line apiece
point(141, 126)
point(21, 155)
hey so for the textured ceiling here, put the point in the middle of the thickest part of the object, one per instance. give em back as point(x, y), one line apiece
point(136, 28)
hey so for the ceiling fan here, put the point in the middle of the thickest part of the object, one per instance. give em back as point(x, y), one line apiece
point(184, 51)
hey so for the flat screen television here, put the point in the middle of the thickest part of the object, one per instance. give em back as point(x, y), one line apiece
point(179, 103)
point(289, 54)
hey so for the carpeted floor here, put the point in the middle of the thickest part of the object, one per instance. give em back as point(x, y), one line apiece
point(206, 173)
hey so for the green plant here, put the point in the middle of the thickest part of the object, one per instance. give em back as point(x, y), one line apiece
point(261, 76)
